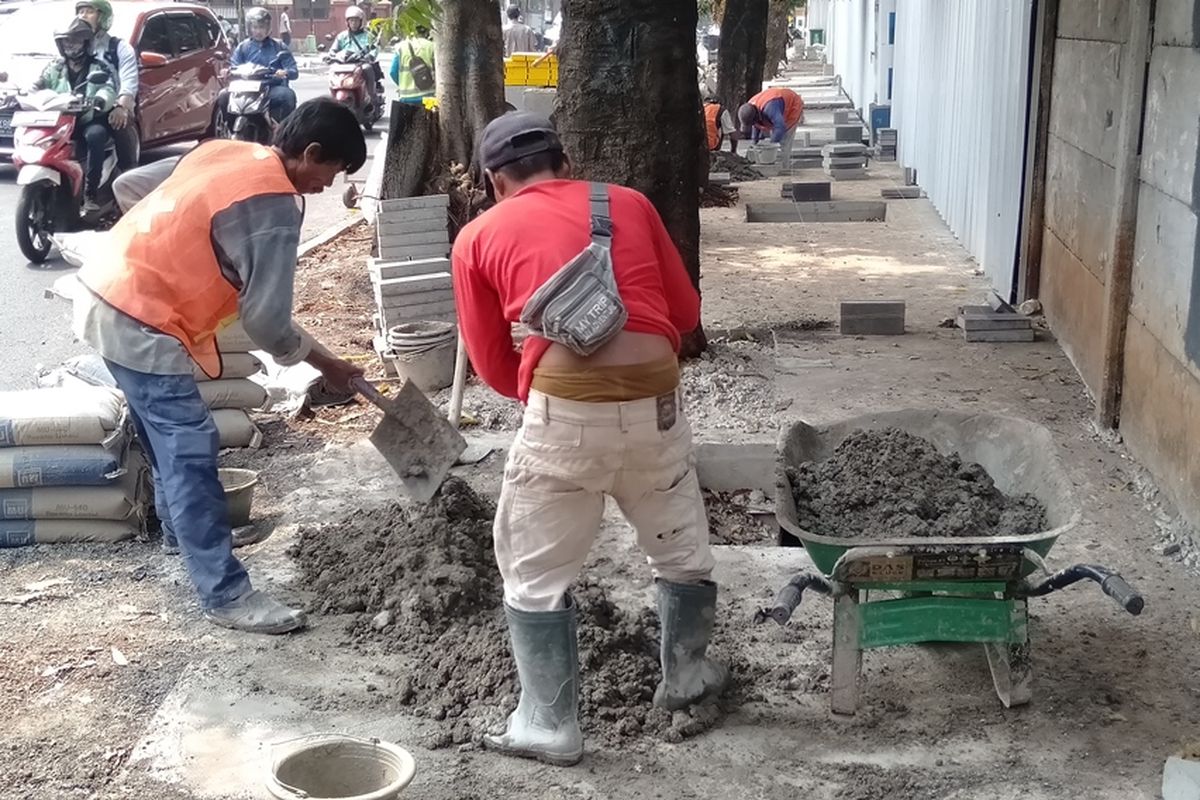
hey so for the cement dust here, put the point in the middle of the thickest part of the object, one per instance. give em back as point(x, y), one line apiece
point(422, 582)
point(891, 484)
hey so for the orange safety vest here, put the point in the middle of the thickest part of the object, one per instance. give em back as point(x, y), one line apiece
point(162, 269)
point(712, 124)
point(793, 105)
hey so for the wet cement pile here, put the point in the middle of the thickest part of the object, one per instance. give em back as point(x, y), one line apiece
point(889, 484)
point(422, 582)
point(731, 519)
point(739, 169)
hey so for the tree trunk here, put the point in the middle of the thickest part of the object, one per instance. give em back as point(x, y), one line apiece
point(628, 107)
point(777, 36)
point(469, 64)
point(743, 52)
point(412, 157)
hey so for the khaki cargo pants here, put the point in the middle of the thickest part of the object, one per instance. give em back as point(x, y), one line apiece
point(568, 455)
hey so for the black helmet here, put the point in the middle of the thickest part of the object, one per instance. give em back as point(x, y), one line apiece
point(76, 41)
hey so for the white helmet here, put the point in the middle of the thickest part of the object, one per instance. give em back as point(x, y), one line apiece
point(258, 16)
point(354, 12)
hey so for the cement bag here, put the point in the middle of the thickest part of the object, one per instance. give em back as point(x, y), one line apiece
point(233, 365)
point(236, 429)
point(71, 502)
point(233, 393)
point(19, 533)
point(233, 339)
point(64, 465)
point(68, 415)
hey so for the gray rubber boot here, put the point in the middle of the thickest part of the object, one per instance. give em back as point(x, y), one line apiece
point(545, 725)
point(687, 612)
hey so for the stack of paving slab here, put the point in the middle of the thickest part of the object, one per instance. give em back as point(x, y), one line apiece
point(886, 144)
point(411, 276)
point(845, 161)
point(985, 324)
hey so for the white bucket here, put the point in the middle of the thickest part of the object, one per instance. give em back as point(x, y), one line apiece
point(424, 352)
point(328, 766)
point(766, 153)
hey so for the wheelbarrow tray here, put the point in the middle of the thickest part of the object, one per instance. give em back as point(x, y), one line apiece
point(1020, 456)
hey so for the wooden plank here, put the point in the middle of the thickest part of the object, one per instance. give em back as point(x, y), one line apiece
point(414, 284)
point(425, 201)
point(1037, 142)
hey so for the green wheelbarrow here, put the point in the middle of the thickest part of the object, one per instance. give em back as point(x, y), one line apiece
point(898, 591)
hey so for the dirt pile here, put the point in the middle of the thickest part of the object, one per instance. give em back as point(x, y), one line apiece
point(422, 582)
point(739, 169)
point(732, 518)
point(889, 484)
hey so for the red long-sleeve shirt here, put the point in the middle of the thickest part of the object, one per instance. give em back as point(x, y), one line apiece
point(501, 258)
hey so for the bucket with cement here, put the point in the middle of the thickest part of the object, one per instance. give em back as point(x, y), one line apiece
point(424, 353)
point(239, 493)
point(327, 766)
point(766, 153)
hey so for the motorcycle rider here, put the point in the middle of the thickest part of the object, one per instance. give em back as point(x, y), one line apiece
point(122, 61)
point(357, 38)
point(265, 51)
point(79, 72)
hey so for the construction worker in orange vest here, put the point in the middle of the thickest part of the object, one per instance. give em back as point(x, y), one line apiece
point(775, 112)
point(718, 123)
point(215, 242)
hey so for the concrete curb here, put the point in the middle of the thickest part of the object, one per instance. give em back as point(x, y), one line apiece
point(329, 234)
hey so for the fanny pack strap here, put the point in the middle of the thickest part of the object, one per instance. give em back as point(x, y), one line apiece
point(602, 228)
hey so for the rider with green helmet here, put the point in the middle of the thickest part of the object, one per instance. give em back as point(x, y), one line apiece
point(122, 61)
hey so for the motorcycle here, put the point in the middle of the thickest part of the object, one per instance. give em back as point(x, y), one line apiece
point(50, 176)
point(250, 103)
point(348, 76)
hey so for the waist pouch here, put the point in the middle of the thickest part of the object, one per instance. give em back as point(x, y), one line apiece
point(579, 307)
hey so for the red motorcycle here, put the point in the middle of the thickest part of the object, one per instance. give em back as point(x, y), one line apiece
point(51, 177)
point(348, 76)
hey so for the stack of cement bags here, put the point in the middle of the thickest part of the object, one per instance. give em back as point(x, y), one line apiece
point(68, 472)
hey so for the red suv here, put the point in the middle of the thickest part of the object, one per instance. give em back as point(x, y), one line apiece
point(183, 51)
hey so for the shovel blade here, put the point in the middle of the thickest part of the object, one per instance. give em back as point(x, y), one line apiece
point(417, 442)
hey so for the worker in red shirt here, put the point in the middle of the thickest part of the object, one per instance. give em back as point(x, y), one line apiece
point(605, 423)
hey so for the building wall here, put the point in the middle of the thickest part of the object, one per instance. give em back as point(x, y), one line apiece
point(1160, 404)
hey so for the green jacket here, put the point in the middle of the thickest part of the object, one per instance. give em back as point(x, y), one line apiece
point(57, 77)
point(405, 87)
point(363, 42)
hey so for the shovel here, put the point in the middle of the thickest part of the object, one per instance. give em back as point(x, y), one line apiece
point(417, 442)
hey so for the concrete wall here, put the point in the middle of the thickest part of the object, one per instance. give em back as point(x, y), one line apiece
point(1081, 159)
point(1160, 405)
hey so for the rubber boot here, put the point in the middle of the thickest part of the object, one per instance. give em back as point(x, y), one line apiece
point(687, 612)
point(545, 725)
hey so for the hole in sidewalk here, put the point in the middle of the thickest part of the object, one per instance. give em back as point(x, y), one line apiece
point(742, 516)
point(833, 211)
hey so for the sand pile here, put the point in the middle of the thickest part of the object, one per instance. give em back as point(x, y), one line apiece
point(889, 484)
point(422, 582)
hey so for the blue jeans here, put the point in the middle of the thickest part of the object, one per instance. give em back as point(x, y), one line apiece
point(283, 102)
point(181, 441)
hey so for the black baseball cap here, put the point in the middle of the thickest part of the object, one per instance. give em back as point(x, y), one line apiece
point(516, 135)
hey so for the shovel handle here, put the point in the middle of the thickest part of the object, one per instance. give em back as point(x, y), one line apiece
point(367, 390)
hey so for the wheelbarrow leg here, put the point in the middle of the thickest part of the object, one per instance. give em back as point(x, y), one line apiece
point(1012, 668)
point(847, 654)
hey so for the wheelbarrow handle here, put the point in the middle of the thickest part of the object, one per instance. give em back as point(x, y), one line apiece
point(1110, 582)
point(789, 597)
point(1126, 596)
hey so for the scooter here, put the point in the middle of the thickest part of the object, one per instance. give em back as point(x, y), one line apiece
point(250, 103)
point(348, 75)
point(51, 176)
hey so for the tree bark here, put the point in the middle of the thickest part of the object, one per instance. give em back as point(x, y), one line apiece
point(412, 157)
point(743, 52)
point(469, 64)
point(777, 36)
point(628, 107)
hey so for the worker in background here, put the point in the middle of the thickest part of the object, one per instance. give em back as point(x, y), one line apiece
point(718, 123)
point(518, 37)
point(122, 61)
point(235, 209)
point(608, 423)
point(776, 113)
point(413, 68)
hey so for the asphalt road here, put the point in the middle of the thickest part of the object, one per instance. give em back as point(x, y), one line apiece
point(36, 332)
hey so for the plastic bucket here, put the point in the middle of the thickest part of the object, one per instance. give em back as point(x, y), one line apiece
point(424, 353)
point(766, 153)
point(329, 766)
point(239, 493)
